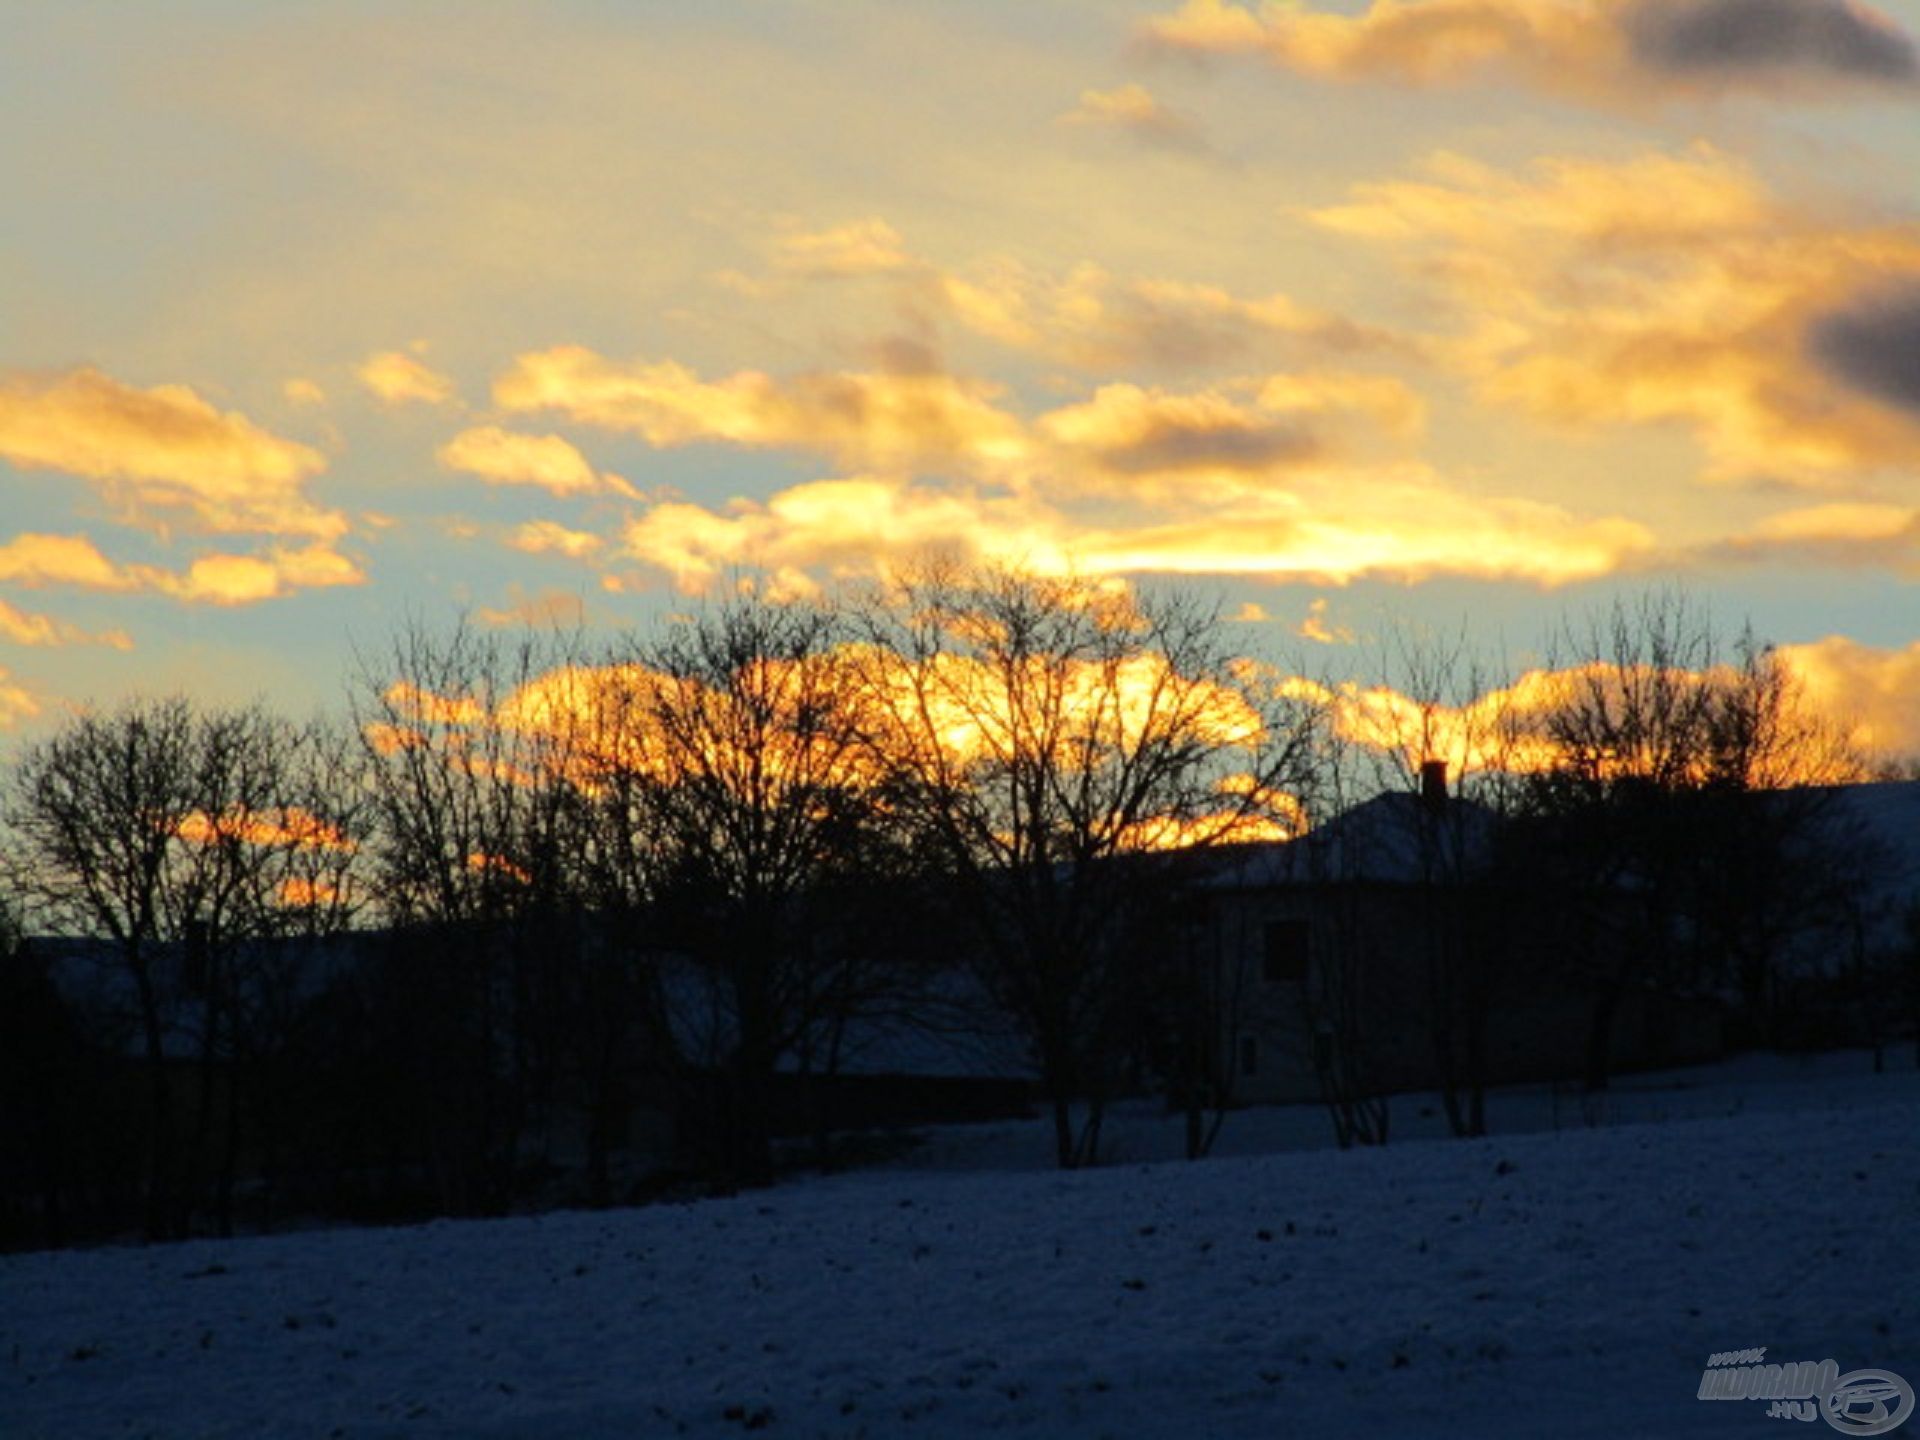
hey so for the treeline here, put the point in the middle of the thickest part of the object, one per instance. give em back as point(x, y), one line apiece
point(378, 966)
point(784, 816)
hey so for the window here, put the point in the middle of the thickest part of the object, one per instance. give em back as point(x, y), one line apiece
point(1249, 1055)
point(1283, 955)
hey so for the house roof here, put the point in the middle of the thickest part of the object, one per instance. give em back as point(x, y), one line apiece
point(1392, 839)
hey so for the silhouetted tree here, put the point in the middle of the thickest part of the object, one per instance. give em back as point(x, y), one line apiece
point(1057, 745)
point(187, 838)
point(1683, 793)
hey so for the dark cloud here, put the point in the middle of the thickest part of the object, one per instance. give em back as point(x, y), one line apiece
point(1169, 447)
point(1840, 39)
point(1874, 346)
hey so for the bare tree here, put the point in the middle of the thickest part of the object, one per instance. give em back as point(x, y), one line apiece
point(748, 788)
point(472, 752)
point(1684, 792)
point(190, 840)
point(1058, 745)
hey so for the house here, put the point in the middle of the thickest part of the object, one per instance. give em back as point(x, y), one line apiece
point(1395, 948)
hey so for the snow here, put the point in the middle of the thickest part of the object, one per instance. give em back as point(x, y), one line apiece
point(1558, 1283)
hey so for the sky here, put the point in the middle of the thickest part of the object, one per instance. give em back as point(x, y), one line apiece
point(319, 318)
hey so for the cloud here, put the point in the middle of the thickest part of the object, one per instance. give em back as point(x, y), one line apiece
point(1313, 626)
point(1874, 692)
point(857, 526)
point(1395, 525)
point(1374, 527)
point(299, 391)
point(1614, 51)
point(1665, 288)
point(548, 609)
point(1157, 445)
point(1133, 110)
point(501, 457)
point(1835, 39)
point(548, 537)
point(1125, 431)
point(1093, 320)
point(894, 422)
point(249, 579)
point(162, 453)
point(1873, 344)
point(397, 378)
point(16, 702)
point(1085, 317)
point(23, 627)
point(33, 560)
point(868, 246)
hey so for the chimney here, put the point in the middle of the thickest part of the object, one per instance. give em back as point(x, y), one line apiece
point(1433, 785)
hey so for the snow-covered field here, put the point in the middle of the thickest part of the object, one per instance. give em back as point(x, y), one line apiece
point(1557, 1283)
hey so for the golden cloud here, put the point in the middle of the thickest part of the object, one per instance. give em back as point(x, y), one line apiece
point(1315, 627)
point(1133, 110)
point(397, 378)
point(1661, 289)
point(24, 627)
point(548, 608)
point(843, 527)
point(162, 453)
point(33, 560)
point(1128, 432)
point(1612, 50)
point(548, 537)
point(1873, 692)
point(1328, 528)
point(1093, 320)
point(863, 421)
point(1387, 525)
point(248, 579)
point(502, 457)
point(288, 828)
point(16, 703)
point(862, 247)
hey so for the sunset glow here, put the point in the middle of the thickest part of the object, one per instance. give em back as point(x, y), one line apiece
point(1351, 315)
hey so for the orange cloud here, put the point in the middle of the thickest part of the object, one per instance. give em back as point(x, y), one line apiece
point(1094, 320)
point(23, 627)
point(1387, 526)
point(548, 608)
point(861, 247)
point(1660, 289)
point(248, 579)
point(1132, 109)
point(1152, 442)
point(396, 378)
point(1873, 692)
point(34, 560)
point(547, 537)
point(1314, 626)
point(1328, 529)
point(16, 703)
point(162, 453)
point(863, 421)
point(414, 704)
point(1610, 50)
point(290, 828)
point(844, 527)
point(501, 457)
